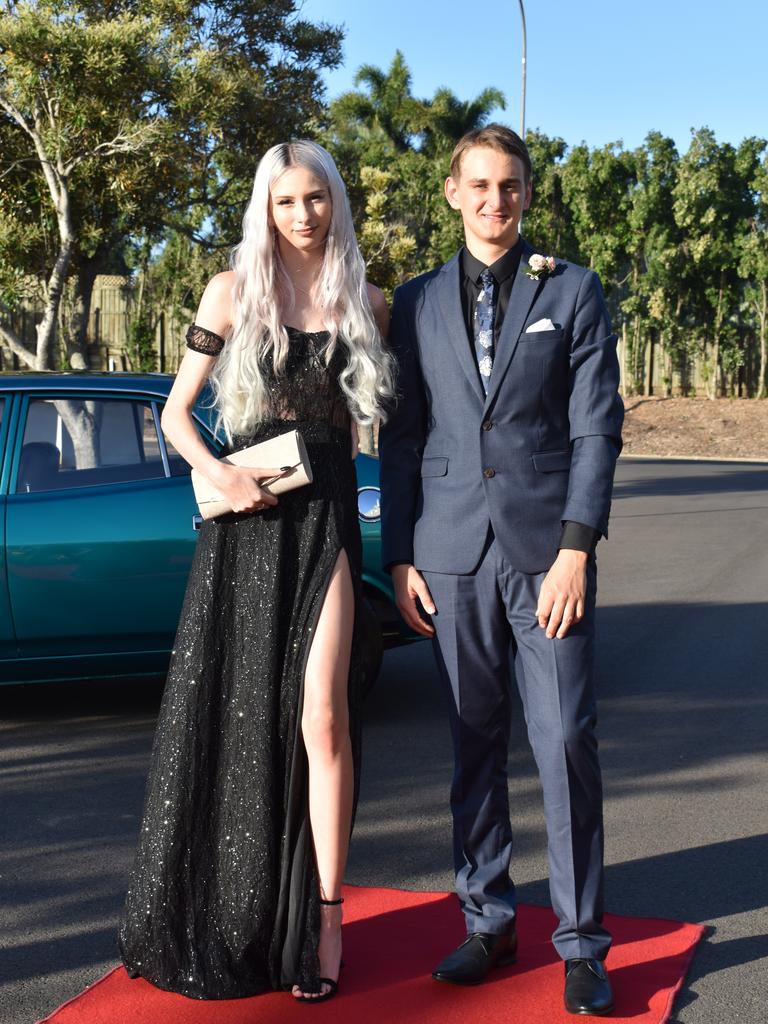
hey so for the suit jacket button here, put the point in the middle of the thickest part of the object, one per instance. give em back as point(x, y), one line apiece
point(489, 472)
point(487, 424)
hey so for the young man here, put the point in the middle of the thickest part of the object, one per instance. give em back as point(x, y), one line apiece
point(496, 474)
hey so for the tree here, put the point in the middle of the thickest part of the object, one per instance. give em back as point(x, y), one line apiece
point(657, 283)
point(548, 223)
point(133, 117)
point(753, 268)
point(386, 245)
point(445, 118)
point(388, 112)
point(597, 188)
point(384, 128)
point(58, 89)
point(712, 205)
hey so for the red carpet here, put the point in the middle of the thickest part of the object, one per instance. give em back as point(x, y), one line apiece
point(392, 940)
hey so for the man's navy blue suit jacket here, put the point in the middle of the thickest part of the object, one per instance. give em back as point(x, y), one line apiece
point(538, 450)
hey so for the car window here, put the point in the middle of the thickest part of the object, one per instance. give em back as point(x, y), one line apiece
point(177, 464)
point(85, 442)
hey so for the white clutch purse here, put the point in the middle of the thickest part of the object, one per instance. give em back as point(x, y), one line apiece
point(284, 450)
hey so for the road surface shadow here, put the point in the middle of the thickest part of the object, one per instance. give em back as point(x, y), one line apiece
point(655, 480)
point(682, 686)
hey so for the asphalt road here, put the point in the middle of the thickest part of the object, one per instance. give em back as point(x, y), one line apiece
point(682, 670)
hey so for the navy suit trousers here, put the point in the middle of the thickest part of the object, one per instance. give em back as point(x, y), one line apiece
point(481, 618)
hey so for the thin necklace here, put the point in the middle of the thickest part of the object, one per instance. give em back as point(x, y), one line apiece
point(304, 291)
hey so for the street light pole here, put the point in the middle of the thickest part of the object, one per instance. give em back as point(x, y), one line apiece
point(522, 93)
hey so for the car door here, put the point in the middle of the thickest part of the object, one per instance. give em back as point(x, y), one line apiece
point(99, 527)
point(7, 635)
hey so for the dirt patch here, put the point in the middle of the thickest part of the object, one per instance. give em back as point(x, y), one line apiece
point(725, 428)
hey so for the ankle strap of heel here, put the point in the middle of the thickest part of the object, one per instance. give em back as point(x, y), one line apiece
point(331, 903)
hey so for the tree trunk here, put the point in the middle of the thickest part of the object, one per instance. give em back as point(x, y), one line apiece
point(46, 329)
point(682, 354)
point(77, 353)
point(623, 360)
point(45, 358)
point(714, 390)
point(649, 364)
point(667, 371)
point(17, 346)
point(761, 382)
point(80, 420)
point(715, 364)
point(58, 186)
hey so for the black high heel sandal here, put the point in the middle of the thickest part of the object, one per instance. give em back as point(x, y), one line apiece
point(333, 986)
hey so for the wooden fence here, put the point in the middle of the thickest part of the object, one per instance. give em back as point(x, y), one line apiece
point(108, 330)
point(650, 369)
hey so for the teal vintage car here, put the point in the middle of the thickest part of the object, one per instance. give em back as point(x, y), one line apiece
point(99, 526)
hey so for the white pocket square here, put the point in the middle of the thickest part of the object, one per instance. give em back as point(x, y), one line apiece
point(541, 325)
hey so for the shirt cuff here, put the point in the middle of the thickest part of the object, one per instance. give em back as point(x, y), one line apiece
point(391, 565)
point(578, 537)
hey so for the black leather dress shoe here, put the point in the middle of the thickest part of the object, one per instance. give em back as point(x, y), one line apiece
point(478, 953)
point(587, 988)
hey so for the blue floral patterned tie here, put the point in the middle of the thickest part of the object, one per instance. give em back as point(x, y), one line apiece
point(485, 314)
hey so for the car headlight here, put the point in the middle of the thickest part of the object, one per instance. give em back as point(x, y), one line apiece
point(369, 504)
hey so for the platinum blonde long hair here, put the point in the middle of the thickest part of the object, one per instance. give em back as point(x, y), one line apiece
point(263, 292)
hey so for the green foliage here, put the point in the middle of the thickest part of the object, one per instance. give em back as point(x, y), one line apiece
point(597, 190)
point(387, 246)
point(157, 112)
point(152, 116)
point(549, 219)
point(140, 346)
point(403, 218)
point(166, 284)
point(712, 204)
point(388, 110)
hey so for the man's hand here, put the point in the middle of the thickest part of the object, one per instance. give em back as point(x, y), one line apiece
point(561, 598)
point(409, 584)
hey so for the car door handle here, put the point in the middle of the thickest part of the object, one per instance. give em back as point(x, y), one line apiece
point(197, 521)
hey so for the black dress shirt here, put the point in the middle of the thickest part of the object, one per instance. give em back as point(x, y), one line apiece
point(503, 270)
point(576, 536)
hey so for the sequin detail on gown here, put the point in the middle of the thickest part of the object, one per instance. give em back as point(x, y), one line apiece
point(223, 897)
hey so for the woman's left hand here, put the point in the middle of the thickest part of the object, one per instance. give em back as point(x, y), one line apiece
point(355, 441)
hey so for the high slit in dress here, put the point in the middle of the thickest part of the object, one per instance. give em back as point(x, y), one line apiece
point(223, 896)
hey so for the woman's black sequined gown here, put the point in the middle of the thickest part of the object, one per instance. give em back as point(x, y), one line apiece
point(223, 897)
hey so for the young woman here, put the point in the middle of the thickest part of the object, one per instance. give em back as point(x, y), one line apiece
point(236, 887)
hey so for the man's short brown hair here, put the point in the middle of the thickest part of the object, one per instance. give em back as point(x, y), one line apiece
point(493, 136)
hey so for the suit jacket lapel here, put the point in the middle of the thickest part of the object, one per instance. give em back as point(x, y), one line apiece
point(448, 298)
point(524, 292)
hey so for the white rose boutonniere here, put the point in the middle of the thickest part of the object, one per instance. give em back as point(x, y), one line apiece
point(540, 266)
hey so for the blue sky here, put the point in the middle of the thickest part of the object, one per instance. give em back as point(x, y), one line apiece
point(598, 70)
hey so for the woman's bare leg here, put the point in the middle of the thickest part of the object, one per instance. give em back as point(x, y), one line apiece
point(325, 727)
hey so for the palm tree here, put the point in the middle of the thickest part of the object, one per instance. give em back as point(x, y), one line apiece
point(448, 117)
point(387, 108)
